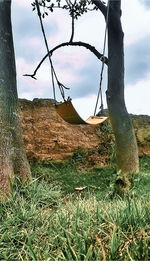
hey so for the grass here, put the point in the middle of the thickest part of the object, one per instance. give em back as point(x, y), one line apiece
point(65, 175)
point(49, 220)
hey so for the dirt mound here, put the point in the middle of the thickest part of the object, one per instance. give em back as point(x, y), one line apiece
point(48, 137)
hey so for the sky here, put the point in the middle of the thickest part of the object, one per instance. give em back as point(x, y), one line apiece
point(76, 67)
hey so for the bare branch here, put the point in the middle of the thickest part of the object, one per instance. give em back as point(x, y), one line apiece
point(31, 75)
point(86, 45)
point(99, 4)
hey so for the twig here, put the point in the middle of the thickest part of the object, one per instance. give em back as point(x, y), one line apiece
point(32, 76)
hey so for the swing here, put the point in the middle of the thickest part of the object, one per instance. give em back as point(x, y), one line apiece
point(66, 109)
point(68, 113)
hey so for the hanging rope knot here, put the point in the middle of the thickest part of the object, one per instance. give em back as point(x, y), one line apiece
point(103, 58)
point(62, 85)
point(69, 98)
point(101, 111)
point(61, 88)
point(101, 108)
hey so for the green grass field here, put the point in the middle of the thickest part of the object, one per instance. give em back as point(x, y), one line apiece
point(50, 220)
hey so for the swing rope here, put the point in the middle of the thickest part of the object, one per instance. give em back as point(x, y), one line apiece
point(53, 72)
point(102, 67)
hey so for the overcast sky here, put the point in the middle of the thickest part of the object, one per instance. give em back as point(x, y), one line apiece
point(76, 67)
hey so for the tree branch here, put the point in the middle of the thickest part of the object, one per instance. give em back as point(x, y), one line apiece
point(86, 45)
point(72, 28)
point(100, 6)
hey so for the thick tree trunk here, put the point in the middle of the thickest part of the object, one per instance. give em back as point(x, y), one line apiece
point(13, 158)
point(126, 145)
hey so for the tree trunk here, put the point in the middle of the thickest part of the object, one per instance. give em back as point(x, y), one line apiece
point(13, 158)
point(126, 145)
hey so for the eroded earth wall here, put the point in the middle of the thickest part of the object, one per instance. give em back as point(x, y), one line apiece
point(48, 137)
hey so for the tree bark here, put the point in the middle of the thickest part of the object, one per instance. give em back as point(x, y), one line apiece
point(13, 158)
point(126, 145)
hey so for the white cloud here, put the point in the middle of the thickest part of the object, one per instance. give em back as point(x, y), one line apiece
point(69, 62)
point(28, 86)
point(138, 97)
point(22, 3)
point(135, 20)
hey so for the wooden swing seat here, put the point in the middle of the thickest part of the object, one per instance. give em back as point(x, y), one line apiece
point(68, 113)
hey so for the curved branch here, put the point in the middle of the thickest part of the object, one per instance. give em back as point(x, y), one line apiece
point(86, 45)
point(99, 4)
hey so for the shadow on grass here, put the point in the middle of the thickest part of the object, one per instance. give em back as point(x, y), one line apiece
point(68, 178)
point(99, 180)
